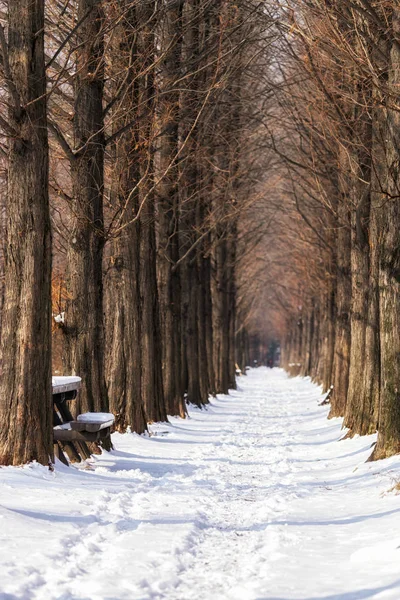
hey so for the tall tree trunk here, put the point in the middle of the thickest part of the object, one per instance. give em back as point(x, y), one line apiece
point(389, 268)
point(123, 325)
point(358, 417)
point(168, 213)
point(340, 379)
point(151, 344)
point(202, 315)
point(191, 211)
point(220, 297)
point(315, 348)
point(208, 320)
point(25, 382)
point(84, 314)
point(371, 383)
point(231, 375)
point(329, 339)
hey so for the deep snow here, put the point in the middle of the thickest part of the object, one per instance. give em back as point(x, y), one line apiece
point(253, 498)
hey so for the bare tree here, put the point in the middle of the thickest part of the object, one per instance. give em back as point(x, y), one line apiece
point(26, 402)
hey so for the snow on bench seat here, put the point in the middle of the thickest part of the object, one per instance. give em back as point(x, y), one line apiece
point(93, 422)
point(96, 417)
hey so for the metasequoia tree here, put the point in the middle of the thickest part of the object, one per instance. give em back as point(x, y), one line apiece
point(119, 116)
point(388, 225)
point(368, 40)
point(84, 312)
point(123, 322)
point(228, 173)
point(83, 328)
point(341, 160)
point(151, 347)
point(135, 369)
point(25, 382)
point(169, 277)
point(194, 357)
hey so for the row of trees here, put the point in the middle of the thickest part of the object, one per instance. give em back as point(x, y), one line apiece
point(340, 102)
point(126, 132)
point(188, 184)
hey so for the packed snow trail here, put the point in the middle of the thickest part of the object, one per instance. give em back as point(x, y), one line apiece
point(253, 498)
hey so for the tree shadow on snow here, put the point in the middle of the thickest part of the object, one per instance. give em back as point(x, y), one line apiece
point(353, 595)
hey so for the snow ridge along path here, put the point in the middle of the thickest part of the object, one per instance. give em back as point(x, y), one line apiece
point(251, 499)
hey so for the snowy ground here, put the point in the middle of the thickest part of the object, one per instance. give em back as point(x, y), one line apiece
point(252, 499)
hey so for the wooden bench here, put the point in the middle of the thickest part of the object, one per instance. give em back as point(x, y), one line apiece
point(72, 435)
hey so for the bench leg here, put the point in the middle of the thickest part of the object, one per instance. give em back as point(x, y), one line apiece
point(72, 452)
point(83, 450)
point(58, 453)
point(106, 443)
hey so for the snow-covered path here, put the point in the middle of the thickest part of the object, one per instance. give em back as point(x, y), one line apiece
point(253, 498)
